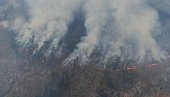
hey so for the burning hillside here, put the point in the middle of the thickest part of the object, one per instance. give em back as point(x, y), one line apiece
point(84, 48)
point(84, 28)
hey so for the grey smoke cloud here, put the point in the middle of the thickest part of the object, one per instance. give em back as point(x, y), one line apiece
point(96, 20)
point(134, 23)
point(49, 20)
point(116, 28)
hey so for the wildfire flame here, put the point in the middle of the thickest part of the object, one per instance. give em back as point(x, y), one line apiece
point(135, 67)
point(131, 68)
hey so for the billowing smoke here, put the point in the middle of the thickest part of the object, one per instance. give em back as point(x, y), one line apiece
point(135, 23)
point(127, 28)
point(48, 20)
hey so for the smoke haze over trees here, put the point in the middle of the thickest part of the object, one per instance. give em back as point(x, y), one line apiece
point(84, 48)
point(129, 29)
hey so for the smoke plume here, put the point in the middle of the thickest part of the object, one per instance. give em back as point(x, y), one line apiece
point(127, 28)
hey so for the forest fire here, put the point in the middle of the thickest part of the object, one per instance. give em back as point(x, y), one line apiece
point(135, 67)
point(152, 65)
point(130, 68)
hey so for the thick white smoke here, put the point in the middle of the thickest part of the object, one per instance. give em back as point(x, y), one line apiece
point(134, 23)
point(96, 15)
point(113, 27)
point(49, 21)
